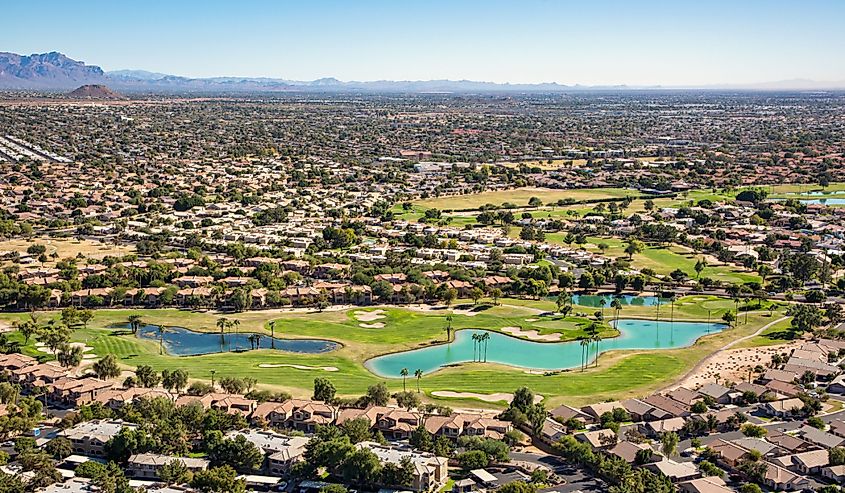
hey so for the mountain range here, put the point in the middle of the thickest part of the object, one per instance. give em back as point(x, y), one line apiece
point(56, 72)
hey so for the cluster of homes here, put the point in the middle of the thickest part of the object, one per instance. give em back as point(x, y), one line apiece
point(60, 388)
point(795, 454)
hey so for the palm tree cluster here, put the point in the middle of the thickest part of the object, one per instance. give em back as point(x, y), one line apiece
point(479, 352)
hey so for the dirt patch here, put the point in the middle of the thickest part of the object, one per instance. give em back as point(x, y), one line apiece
point(363, 316)
point(531, 334)
point(500, 396)
point(298, 367)
point(732, 365)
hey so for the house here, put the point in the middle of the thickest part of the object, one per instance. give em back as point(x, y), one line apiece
point(784, 408)
point(781, 479)
point(564, 413)
point(675, 471)
point(429, 471)
point(834, 473)
point(729, 454)
point(718, 393)
point(147, 466)
point(598, 439)
point(656, 428)
point(89, 437)
point(281, 451)
point(810, 462)
point(628, 451)
point(708, 484)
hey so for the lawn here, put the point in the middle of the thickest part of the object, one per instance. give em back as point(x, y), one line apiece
point(619, 374)
point(520, 197)
point(68, 248)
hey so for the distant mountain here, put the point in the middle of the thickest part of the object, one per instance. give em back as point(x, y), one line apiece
point(135, 75)
point(45, 71)
point(54, 71)
point(94, 91)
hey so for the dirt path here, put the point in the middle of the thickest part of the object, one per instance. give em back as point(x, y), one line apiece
point(715, 355)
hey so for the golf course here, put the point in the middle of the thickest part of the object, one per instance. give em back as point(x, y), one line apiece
point(361, 334)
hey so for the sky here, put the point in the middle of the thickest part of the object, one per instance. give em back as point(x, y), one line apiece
point(589, 42)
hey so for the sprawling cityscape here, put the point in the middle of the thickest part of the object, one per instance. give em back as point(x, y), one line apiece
point(224, 284)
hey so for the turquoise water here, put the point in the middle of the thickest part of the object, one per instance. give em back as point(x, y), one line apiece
point(180, 341)
point(501, 348)
point(824, 201)
point(594, 300)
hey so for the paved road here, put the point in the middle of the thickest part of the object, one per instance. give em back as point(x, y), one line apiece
point(575, 479)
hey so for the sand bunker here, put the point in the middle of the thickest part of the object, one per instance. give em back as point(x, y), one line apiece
point(298, 367)
point(531, 334)
point(363, 316)
point(85, 349)
point(531, 319)
point(375, 325)
point(466, 313)
point(500, 396)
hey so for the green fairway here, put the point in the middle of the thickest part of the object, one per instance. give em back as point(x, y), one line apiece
point(521, 196)
point(619, 374)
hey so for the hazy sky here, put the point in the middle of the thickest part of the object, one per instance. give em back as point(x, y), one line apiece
point(678, 42)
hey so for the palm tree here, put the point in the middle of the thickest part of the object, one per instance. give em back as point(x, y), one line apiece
point(257, 341)
point(161, 330)
point(273, 334)
point(602, 302)
point(236, 323)
point(448, 327)
point(474, 347)
point(222, 324)
point(404, 374)
point(418, 374)
point(597, 338)
point(616, 305)
point(584, 343)
point(135, 323)
point(484, 338)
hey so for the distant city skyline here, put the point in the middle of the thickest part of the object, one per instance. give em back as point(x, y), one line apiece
point(605, 42)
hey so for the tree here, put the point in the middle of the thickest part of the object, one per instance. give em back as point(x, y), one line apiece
point(634, 247)
point(517, 487)
point(146, 376)
point(669, 443)
point(404, 373)
point(85, 316)
point(398, 475)
point(239, 453)
point(27, 330)
point(476, 294)
point(218, 480)
point(408, 400)
point(448, 327)
point(378, 394)
point(59, 448)
point(358, 429)
point(175, 472)
point(361, 467)
point(421, 439)
point(418, 374)
point(495, 293)
point(323, 390)
point(174, 380)
point(107, 367)
point(135, 323)
point(750, 488)
point(473, 459)
point(69, 356)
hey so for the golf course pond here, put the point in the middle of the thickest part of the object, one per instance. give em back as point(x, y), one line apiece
point(594, 300)
point(521, 353)
point(180, 341)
